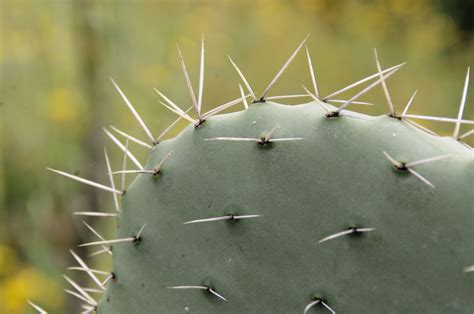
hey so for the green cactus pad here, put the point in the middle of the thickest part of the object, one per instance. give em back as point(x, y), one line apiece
point(336, 177)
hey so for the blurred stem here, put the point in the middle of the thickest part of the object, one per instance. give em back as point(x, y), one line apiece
point(89, 50)
point(89, 58)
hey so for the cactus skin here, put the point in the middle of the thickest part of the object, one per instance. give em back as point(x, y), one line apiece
point(336, 177)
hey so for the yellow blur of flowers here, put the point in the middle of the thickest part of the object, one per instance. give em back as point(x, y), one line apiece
point(64, 105)
point(19, 283)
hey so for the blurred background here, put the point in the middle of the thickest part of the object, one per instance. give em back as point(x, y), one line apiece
point(55, 95)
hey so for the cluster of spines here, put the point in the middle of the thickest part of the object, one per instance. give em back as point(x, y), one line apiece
point(83, 294)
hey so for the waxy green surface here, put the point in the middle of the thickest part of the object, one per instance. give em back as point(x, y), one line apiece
point(335, 178)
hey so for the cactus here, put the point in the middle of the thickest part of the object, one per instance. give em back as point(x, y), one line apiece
point(308, 208)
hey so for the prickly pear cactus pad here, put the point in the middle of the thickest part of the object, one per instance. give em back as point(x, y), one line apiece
point(308, 208)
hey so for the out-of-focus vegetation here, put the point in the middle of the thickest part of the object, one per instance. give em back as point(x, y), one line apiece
point(56, 58)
